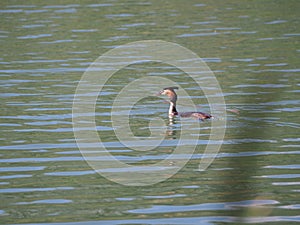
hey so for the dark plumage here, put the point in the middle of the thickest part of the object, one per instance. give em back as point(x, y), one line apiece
point(198, 115)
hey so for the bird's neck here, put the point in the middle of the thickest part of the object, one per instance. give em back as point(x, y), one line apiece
point(173, 97)
point(172, 109)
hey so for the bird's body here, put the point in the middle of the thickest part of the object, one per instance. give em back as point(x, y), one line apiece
point(198, 115)
point(169, 91)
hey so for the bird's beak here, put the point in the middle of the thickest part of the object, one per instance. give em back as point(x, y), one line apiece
point(159, 93)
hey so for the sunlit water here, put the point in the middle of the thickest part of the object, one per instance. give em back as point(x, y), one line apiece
point(252, 48)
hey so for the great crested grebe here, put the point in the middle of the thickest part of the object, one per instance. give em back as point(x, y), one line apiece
point(169, 91)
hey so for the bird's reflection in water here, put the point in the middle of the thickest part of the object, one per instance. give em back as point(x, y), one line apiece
point(172, 128)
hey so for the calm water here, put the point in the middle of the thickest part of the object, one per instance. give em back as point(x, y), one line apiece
point(253, 49)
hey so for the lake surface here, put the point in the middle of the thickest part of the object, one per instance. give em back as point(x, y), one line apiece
point(253, 49)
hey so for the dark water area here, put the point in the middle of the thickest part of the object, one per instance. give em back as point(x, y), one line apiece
point(252, 47)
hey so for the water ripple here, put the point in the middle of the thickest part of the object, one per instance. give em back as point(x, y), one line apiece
point(283, 166)
point(202, 207)
point(21, 168)
point(46, 201)
point(19, 190)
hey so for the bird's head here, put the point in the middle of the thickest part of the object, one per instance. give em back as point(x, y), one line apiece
point(170, 92)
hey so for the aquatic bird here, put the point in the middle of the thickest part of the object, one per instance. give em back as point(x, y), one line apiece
point(170, 92)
